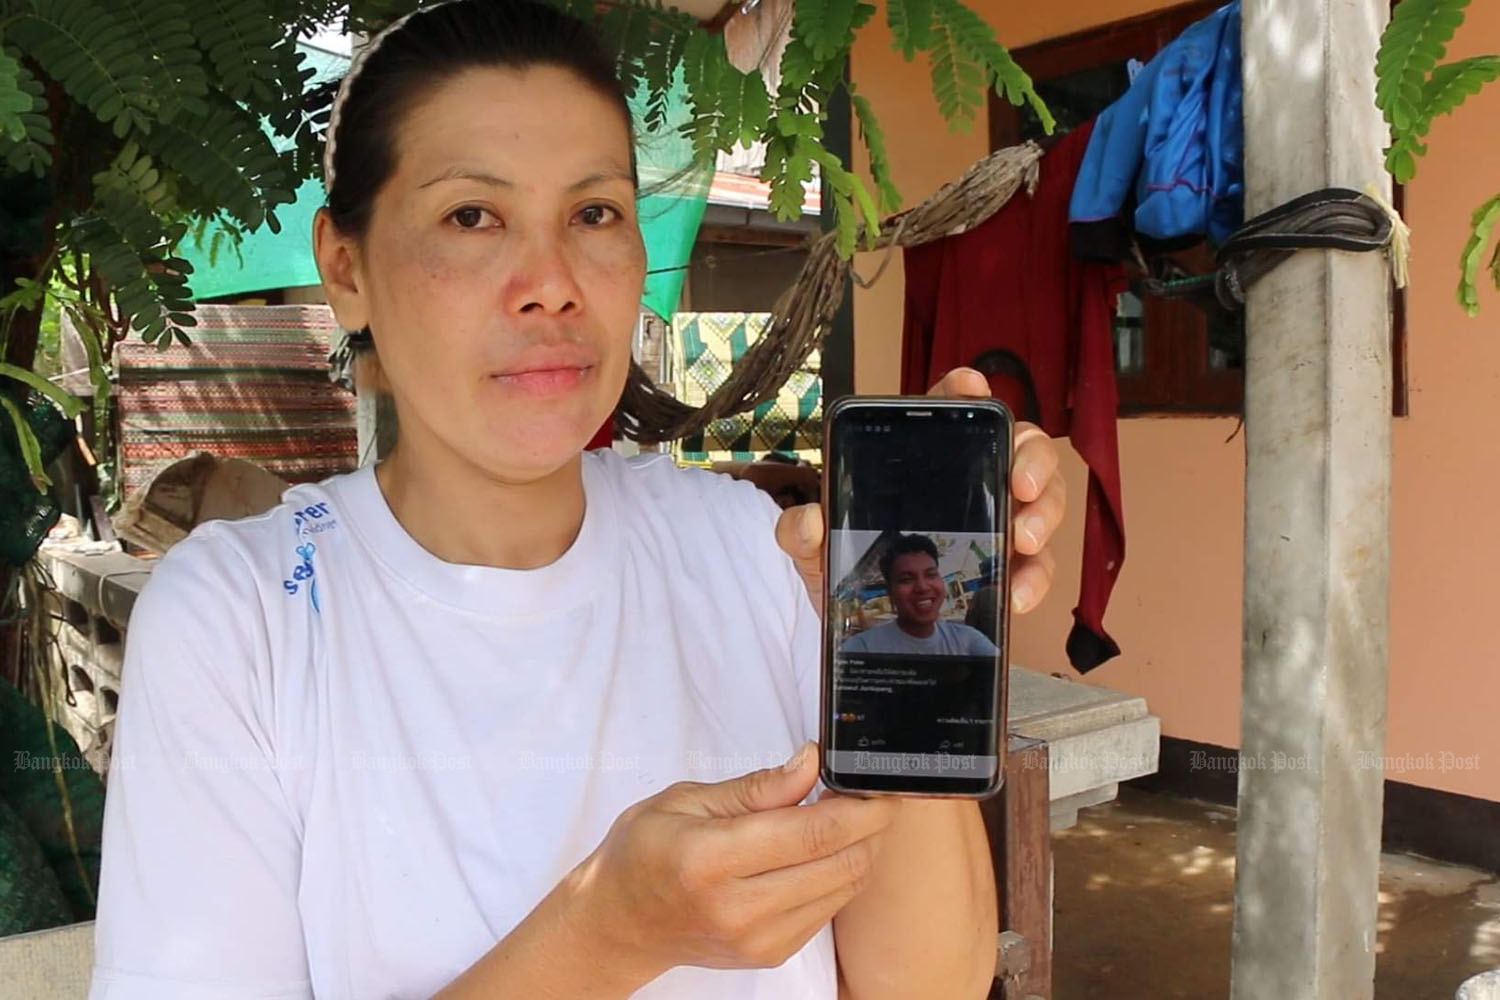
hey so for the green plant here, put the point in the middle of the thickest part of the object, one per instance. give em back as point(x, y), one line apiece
point(1413, 88)
point(126, 125)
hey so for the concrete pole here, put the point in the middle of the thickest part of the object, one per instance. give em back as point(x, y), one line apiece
point(1317, 501)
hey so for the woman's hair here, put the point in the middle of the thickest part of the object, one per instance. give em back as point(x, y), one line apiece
point(403, 64)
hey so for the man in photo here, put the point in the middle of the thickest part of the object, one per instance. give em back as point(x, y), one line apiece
point(917, 589)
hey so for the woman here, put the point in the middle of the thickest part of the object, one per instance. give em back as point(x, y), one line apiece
point(478, 721)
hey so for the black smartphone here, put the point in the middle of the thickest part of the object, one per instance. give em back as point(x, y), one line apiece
point(916, 496)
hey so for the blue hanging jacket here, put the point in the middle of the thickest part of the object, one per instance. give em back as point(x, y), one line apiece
point(1176, 139)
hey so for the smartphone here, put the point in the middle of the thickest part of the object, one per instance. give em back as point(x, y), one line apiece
point(916, 496)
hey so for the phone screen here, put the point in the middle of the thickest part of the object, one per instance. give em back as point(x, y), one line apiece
point(914, 681)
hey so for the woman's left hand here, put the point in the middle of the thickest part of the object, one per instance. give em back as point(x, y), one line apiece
point(1039, 492)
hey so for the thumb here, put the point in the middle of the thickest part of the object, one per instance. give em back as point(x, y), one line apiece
point(799, 532)
point(768, 788)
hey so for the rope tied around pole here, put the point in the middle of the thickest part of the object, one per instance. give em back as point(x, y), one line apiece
point(1330, 219)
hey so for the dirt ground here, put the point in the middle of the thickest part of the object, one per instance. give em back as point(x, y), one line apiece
point(1145, 901)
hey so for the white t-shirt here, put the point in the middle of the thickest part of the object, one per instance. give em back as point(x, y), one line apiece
point(947, 639)
point(345, 768)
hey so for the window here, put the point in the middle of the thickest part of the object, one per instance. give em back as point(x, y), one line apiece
point(1171, 357)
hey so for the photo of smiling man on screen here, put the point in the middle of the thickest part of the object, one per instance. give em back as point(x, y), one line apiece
point(917, 593)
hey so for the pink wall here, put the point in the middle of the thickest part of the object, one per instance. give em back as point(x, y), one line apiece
point(1176, 610)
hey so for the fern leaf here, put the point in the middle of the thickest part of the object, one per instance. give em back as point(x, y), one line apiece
point(845, 224)
point(1482, 228)
point(974, 36)
point(659, 67)
point(1446, 89)
point(635, 41)
point(15, 100)
point(229, 159)
point(175, 68)
point(952, 81)
point(911, 25)
point(237, 35)
point(122, 269)
point(880, 161)
point(1413, 43)
point(797, 69)
point(135, 176)
point(785, 170)
point(1453, 83)
point(754, 106)
point(30, 152)
point(706, 72)
point(92, 55)
point(824, 25)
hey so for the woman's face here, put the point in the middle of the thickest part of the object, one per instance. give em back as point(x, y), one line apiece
point(501, 274)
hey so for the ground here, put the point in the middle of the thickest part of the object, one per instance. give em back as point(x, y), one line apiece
point(1145, 902)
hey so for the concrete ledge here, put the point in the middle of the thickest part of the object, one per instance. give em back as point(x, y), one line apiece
point(1096, 738)
point(55, 963)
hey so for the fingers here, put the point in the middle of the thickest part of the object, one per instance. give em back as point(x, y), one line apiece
point(1030, 579)
point(962, 383)
point(799, 532)
point(778, 941)
point(1037, 521)
point(770, 788)
point(1034, 464)
point(779, 838)
point(784, 909)
point(797, 885)
point(761, 925)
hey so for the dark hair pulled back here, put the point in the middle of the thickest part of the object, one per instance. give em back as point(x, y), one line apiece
point(432, 46)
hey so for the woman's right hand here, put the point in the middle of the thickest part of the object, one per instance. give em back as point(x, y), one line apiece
point(733, 874)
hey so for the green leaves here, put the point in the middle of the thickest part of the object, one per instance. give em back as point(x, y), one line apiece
point(880, 163)
point(70, 404)
point(25, 130)
point(786, 169)
point(15, 100)
point(174, 66)
point(92, 54)
point(828, 26)
point(705, 65)
point(237, 35)
point(31, 449)
point(911, 25)
point(956, 81)
point(971, 41)
point(1411, 89)
point(226, 154)
point(1482, 228)
point(1416, 38)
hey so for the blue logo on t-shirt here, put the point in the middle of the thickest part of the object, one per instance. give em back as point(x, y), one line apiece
point(308, 522)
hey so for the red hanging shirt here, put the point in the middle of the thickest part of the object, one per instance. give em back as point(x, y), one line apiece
point(1009, 292)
